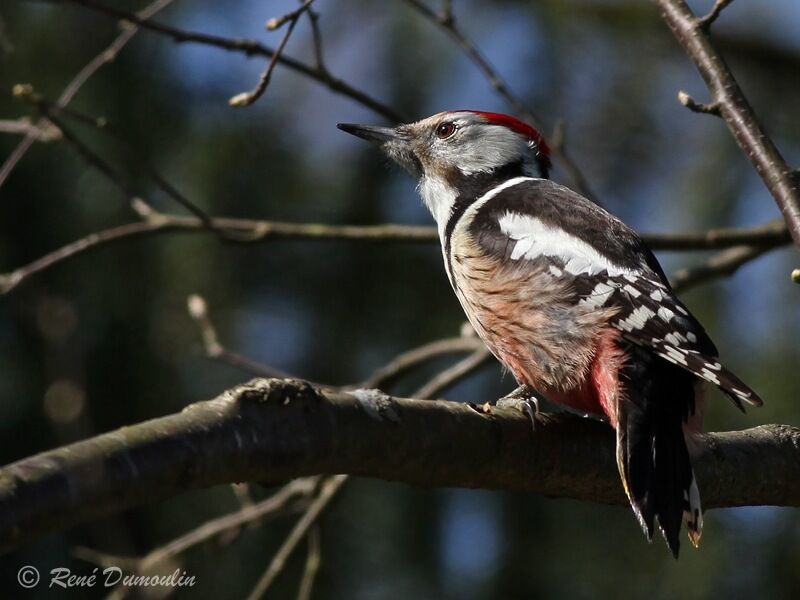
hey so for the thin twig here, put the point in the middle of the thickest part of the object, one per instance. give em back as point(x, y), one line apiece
point(446, 12)
point(51, 109)
point(72, 88)
point(454, 373)
point(273, 506)
point(734, 107)
point(316, 40)
point(198, 310)
point(213, 528)
point(694, 106)
point(706, 21)
point(248, 47)
point(438, 383)
point(253, 512)
point(247, 98)
point(326, 494)
point(42, 130)
point(446, 21)
point(407, 360)
point(313, 561)
point(771, 235)
point(293, 15)
point(722, 264)
point(92, 158)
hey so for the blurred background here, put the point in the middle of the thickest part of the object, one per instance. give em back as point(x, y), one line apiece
point(104, 340)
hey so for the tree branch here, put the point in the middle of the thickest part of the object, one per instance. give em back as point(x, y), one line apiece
point(277, 430)
point(768, 236)
point(247, 98)
point(722, 264)
point(447, 22)
point(248, 47)
point(74, 86)
point(728, 99)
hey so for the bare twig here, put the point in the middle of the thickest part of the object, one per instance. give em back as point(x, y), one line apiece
point(723, 264)
point(42, 130)
point(446, 21)
point(771, 235)
point(558, 147)
point(381, 376)
point(50, 110)
point(734, 108)
point(719, 5)
point(328, 491)
point(72, 88)
point(258, 231)
point(282, 500)
point(248, 47)
point(250, 434)
point(247, 98)
point(250, 513)
point(316, 40)
point(446, 12)
point(447, 377)
point(694, 106)
point(198, 310)
point(313, 561)
point(92, 158)
point(293, 15)
point(405, 361)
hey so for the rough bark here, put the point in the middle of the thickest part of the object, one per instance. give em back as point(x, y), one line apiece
point(272, 430)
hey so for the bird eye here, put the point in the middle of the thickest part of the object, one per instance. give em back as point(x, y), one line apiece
point(445, 130)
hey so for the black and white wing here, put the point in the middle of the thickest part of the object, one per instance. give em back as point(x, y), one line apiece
point(608, 266)
point(651, 316)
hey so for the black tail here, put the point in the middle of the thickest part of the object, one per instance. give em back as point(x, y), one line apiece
point(656, 400)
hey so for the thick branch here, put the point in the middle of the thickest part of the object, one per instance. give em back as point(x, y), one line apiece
point(728, 99)
point(276, 430)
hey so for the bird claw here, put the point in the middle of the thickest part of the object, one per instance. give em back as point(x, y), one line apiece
point(523, 399)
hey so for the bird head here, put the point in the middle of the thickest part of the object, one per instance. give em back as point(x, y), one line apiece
point(460, 153)
point(460, 143)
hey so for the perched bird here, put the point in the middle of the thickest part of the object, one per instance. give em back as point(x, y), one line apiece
point(569, 299)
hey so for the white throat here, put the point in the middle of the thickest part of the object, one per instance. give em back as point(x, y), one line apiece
point(439, 198)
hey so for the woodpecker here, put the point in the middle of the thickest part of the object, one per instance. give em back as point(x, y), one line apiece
point(569, 299)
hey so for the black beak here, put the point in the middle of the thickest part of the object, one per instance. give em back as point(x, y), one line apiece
point(372, 134)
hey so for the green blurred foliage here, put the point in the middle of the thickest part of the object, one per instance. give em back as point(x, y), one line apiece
point(104, 340)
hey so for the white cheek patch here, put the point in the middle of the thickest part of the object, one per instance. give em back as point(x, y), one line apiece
point(483, 148)
point(535, 239)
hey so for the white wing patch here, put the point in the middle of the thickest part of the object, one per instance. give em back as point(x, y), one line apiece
point(599, 295)
point(535, 239)
point(650, 316)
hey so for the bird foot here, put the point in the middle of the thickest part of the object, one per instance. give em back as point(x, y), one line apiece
point(523, 399)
